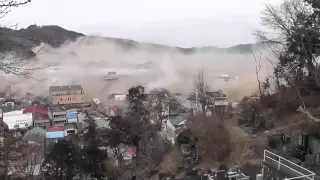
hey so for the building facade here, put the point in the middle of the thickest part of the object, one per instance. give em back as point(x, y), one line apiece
point(62, 98)
point(72, 95)
point(40, 116)
point(18, 120)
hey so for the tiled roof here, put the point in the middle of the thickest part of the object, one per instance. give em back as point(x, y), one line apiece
point(36, 109)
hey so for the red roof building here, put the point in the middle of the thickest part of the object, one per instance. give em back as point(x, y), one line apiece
point(38, 112)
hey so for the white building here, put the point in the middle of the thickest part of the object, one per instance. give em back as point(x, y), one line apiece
point(171, 127)
point(18, 120)
point(117, 97)
point(102, 122)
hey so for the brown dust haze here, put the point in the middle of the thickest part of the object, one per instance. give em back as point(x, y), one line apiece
point(87, 60)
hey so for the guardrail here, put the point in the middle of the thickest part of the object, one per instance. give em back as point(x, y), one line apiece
point(282, 162)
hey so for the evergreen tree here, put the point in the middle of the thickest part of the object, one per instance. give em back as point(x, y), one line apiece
point(92, 157)
point(61, 162)
point(135, 97)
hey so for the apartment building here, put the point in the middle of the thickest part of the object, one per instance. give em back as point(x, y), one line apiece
point(72, 95)
point(62, 98)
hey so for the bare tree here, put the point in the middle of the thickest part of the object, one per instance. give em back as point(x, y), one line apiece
point(202, 89)
point(11, 39)
point(28, 166)
point(297, 33)
point(258, 68)
point(281, 20)
point(162, 102)
point(213, 137)
point(158, 102)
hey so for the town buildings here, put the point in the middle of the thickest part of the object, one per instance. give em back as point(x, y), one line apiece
point(61, 99)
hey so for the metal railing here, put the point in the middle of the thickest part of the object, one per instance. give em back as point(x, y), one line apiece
point(282, 162)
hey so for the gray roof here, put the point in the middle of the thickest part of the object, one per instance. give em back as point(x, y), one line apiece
point(176, 120)
point(217, 94)
point(36, 134)
point(65, 88)
point(70, 126)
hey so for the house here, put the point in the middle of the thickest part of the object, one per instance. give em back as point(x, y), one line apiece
point(172, 126)
point(220, 103)
point(57, 115)
point(127, 153)
point(40, 116)
point(117, 97)
point(100, 119)
point(18, 120)
point(54, 133)
point(219, 98)
point(72, 117)
point(70, 129)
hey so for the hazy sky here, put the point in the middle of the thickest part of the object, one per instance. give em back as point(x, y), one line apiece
point(183, 23)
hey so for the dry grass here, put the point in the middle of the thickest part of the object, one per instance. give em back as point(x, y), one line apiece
point(170, 161)
point(213, 137)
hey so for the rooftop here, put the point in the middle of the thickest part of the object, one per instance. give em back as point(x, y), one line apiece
point(36, 109)
point(217, 94)
point(14, 113)
point(70, 126)
point(177, 119)
point(65, 88)
point(36, 134)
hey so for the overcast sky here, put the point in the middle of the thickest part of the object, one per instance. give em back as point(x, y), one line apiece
point(182, 23)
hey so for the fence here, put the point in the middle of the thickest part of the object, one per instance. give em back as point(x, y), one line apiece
point(283, 164)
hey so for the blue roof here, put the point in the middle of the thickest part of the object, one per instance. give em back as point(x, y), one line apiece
point(71, 115)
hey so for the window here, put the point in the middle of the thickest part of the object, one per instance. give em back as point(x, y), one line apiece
point(71, 131)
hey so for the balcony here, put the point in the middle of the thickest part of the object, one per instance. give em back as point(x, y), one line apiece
point(288, 169)
point(59, 118)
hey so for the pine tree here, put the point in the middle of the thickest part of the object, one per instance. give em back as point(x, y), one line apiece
point(92, 157)
point(61, 162)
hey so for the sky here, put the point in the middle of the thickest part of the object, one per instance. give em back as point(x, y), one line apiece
point(184, 23)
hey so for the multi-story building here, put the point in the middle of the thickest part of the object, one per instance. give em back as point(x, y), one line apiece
point(62, 98)
point(67, 96)
point(40, 116)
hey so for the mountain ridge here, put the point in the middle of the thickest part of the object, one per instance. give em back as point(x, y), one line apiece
point(23, 40)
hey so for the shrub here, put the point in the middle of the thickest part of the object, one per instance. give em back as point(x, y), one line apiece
point(213, 137)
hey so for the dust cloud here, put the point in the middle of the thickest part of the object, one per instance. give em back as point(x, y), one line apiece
point(87, 60)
